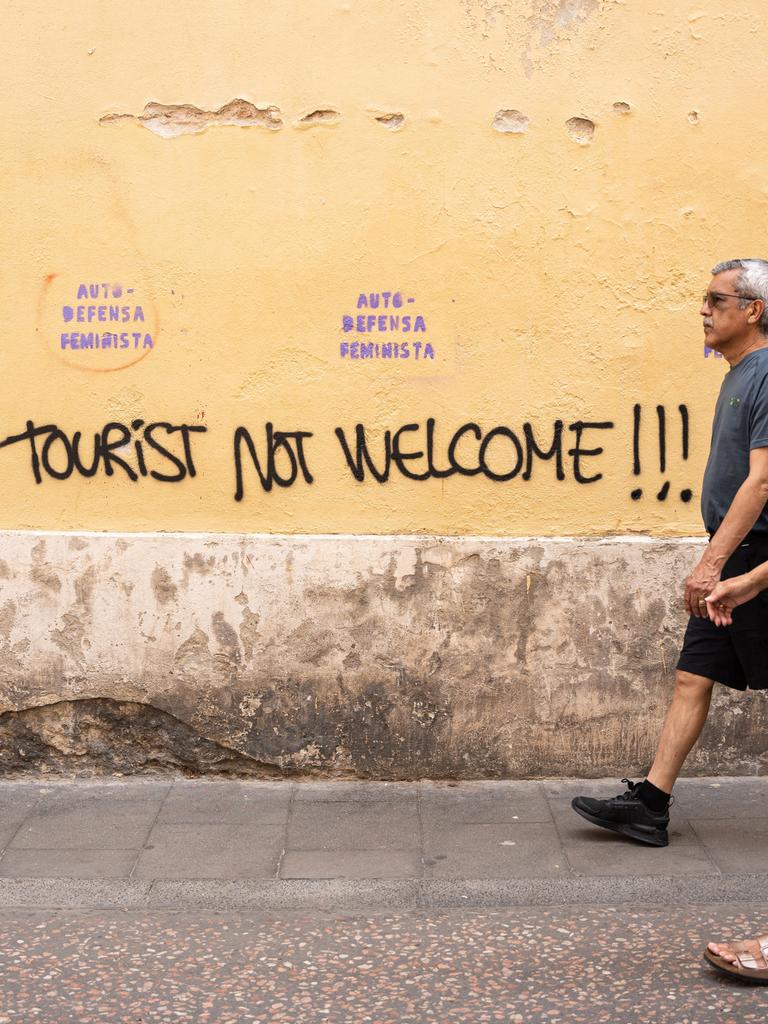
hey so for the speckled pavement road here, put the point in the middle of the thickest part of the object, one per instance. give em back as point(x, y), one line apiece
point(159, 900)
point(546, 965)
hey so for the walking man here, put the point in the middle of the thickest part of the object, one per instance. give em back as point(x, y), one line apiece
point(733, 505)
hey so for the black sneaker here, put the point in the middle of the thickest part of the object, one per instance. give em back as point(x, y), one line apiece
point(626, 814)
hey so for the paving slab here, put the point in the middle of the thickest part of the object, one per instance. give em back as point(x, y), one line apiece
point(227, 802)
point(361, 792)
point(530, 850)
point(351, 825)
point(8, 830)
point(721, 798)
point(485, 803)
point(211, 851)
point(351, 864)
point(91, 816)
point(735, 844)
point(17, 801)
point(67, 863)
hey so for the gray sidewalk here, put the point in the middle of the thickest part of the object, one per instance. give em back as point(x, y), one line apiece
point(223, 844)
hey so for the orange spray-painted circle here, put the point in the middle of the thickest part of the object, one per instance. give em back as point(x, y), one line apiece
point(97, 325)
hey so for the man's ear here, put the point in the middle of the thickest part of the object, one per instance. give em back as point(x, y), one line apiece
point(754, 317)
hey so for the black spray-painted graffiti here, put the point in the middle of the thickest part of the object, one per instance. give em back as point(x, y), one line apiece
point(686, 494)
point(518, 456)
point(163, 451)
point(54, 454)
point(499, 454)
point(396, 452)
point(290, 443)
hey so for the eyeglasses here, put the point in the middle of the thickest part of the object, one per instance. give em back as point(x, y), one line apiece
point(713, 299)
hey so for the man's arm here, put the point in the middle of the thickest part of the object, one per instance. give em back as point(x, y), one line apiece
point(749, 501)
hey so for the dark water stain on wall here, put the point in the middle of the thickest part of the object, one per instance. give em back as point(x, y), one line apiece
point(100, 736)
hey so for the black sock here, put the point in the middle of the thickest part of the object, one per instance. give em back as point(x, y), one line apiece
point(655, 799)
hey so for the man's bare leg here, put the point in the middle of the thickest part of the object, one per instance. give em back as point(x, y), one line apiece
point(642, 813)
point(682, 727)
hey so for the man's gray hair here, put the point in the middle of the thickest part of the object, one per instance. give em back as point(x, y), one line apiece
point(752, 283)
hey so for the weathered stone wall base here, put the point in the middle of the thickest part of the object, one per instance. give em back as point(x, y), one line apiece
point(378, 657)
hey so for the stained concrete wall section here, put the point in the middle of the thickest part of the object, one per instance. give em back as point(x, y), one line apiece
point(367, 656)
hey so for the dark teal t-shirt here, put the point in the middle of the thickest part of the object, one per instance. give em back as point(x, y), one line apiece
point(740, 424)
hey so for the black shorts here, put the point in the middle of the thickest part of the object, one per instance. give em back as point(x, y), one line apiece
point(737, 655)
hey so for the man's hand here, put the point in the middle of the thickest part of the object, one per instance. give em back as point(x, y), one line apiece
point(699, 584)
point(727, 595)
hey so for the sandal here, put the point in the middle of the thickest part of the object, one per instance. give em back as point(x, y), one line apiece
point(746, 967)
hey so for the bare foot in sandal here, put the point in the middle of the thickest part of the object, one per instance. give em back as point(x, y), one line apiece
point(746, 960)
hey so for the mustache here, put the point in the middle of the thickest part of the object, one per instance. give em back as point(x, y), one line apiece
point(707, 323)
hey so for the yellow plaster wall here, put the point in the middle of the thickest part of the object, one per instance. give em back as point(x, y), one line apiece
point(558, 280)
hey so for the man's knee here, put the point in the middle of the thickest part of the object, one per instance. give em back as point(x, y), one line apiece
point(690, 685)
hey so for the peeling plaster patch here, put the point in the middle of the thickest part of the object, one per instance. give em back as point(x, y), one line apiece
point(310, 756)
point(126, 404)
point(163, 587)
point(391, 121)
point(71, 637)
point(197, 563)
point(194, 653)
point(7, 618)
point(693, 117)
point(5, 572)
point(114, 118)
point(170, 120)
point(620, 107)
point(552, 15)
point(511, 121)
point(580, 129)
point(227, 639)
point(249, 705)
point(352, 660)
point(45, 576)
point(324, 115)
point(249, 632)
point(84, 586)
